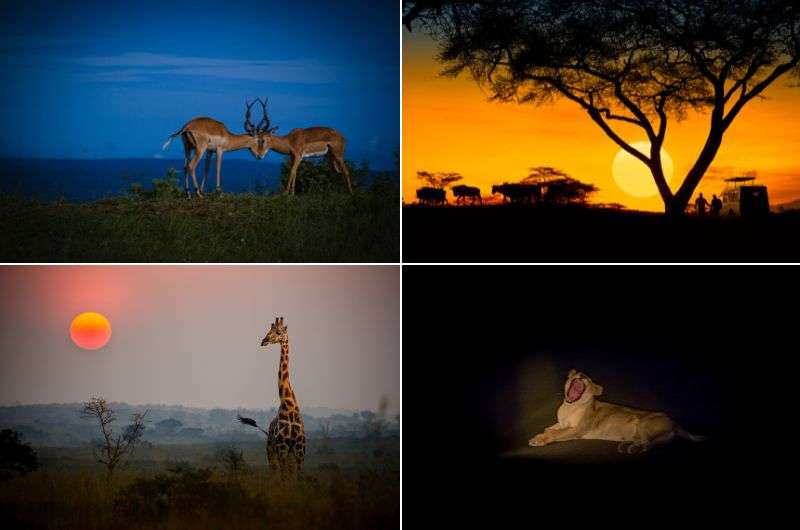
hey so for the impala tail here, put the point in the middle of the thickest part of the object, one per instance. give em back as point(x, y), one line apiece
point(169, 140)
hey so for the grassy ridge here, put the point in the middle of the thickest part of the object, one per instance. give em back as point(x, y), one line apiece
point(330, 227)
point(346, 490)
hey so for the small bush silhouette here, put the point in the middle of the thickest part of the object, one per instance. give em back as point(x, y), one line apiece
point(167, 187)
point(184, 489)
point(16, 458)
point(232, 459)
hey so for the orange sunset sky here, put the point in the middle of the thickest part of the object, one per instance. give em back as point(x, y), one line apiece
point(449, 125)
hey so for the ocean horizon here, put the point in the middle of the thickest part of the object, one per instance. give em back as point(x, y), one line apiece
point(83, 180)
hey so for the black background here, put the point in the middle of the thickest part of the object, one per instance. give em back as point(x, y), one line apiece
point(713, 346)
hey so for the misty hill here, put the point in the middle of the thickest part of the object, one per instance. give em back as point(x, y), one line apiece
point(60, 424)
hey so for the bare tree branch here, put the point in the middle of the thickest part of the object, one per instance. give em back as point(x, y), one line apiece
point(113, 448)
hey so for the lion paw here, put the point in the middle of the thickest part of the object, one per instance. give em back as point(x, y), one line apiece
point(538, 440)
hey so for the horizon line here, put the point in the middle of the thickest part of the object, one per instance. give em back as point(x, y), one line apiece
point(188, 406)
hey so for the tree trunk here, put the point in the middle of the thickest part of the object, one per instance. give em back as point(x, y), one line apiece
point(677, 204)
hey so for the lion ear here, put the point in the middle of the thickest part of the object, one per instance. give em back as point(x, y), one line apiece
point(572, 373)
point(597, 390)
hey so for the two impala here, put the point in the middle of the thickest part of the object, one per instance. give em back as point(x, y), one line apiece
point(211, 137)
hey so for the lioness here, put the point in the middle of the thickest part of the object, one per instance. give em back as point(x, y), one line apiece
point(582, 417)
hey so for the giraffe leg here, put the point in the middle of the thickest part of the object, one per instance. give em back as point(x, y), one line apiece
point(300, 453)
point(291, 465)
point(272, 457)
point(284, 461)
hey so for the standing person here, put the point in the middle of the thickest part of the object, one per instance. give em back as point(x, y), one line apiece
point(716, 206)
point(700, 205)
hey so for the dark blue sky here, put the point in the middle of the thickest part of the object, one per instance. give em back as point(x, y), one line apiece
point(114, 79)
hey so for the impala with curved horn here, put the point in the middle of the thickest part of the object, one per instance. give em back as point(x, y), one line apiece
point(209, 136)
point(308, 142)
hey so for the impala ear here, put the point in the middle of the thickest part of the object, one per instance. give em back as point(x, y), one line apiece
point(272, 130)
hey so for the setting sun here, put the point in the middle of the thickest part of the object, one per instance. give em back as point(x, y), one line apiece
point(633, 177)
point(90, 330)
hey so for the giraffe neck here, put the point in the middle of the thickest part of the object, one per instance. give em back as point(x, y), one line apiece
point(288, 399)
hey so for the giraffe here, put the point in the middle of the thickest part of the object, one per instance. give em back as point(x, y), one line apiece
point(286, 439)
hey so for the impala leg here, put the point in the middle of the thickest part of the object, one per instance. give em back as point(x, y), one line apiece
point(332, 162)
point(209, 154)
point(219, 170)
point(293, 174)
point(343, 171)
point(187, 155)
point(193, 166)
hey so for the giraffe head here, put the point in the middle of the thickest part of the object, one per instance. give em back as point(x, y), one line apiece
point(277, 333)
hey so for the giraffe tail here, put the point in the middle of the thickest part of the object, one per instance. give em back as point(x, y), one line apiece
point(251, 422)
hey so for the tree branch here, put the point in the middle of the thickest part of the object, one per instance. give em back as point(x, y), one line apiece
point(598, 118)
point(635, 110)
point(756, 90)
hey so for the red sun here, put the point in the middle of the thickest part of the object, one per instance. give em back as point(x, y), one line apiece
point(90, 330)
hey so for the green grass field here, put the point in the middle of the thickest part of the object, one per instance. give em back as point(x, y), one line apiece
point(357, 485)
point(315, 227)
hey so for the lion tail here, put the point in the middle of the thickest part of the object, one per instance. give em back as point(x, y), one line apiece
point(683, 433)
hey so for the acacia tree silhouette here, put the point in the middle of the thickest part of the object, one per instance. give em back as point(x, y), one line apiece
point(561, 188)
point(636, 62)
point(439, 180)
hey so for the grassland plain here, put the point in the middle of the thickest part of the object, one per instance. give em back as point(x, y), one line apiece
point(349, 484)
point(510, 232)
point(315, 227)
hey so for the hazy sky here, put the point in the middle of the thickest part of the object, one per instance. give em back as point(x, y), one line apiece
point(114, 79)
point(191, 335)
point(449, 125)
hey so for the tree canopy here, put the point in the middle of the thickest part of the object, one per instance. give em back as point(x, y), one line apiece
point(439, 180)
point(633, 62)
point(559, 186)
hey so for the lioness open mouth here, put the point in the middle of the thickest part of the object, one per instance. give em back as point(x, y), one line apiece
point(575, 390)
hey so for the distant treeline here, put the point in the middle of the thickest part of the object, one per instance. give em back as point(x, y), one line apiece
point(60, 425)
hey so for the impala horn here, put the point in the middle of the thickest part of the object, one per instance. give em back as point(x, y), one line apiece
point(248, 125)
point(264, 125)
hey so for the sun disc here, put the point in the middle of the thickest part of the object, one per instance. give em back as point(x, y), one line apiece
point(633, 176)
point(90, 330)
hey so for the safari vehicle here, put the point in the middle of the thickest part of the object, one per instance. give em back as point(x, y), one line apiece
point(742, 198)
